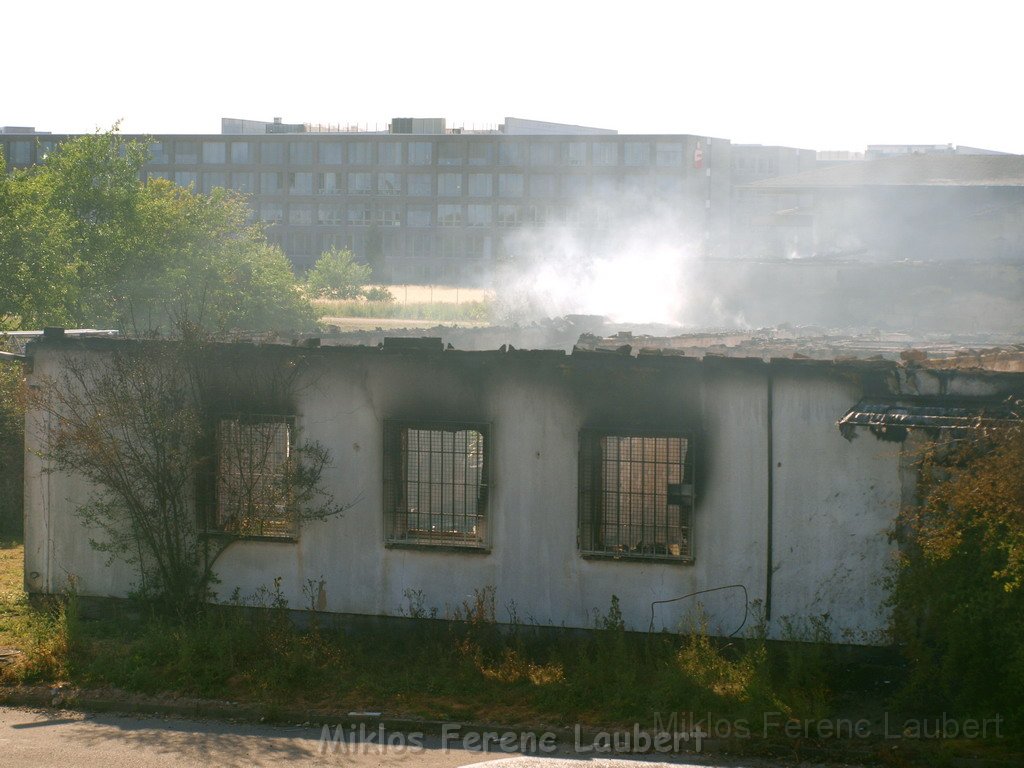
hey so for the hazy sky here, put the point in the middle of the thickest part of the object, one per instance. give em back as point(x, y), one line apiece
point(821, 75)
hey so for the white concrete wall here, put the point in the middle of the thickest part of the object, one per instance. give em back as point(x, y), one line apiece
point(833, 502)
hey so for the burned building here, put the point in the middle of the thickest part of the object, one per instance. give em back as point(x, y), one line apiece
point(558, 479)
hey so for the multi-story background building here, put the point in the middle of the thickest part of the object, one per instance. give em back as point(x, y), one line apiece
point(902, 236)
point(424, 202)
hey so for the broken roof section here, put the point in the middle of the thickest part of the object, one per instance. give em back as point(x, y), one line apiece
point(893, 417)
point(907, 171)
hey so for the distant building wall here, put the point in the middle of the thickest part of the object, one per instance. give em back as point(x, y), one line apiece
point(763, 225)
point(433, 208)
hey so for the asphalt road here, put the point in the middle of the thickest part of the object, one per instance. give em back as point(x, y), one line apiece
point(36, 738)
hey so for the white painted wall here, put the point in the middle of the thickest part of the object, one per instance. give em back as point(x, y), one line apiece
point(833, 501)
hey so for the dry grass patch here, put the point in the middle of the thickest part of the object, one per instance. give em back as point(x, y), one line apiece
point(329, 310)
point(36, 640)
point(418, 306)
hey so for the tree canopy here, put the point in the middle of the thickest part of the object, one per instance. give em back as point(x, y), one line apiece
point(337, 275)
point(85, 242)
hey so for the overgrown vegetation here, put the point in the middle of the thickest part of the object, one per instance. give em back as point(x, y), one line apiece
point(958, 598)
point(40, 636)
point(468, 668)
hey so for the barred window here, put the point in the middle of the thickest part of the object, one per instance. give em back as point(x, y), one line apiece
point(636, 495)
point(252, 491)
point(436, 478)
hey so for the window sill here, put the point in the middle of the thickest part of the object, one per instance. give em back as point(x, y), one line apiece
point(663, 559)
point(250, 537)
point(422, 546)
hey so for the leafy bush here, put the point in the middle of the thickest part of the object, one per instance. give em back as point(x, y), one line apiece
point(958, 605)
point(379, 293)
point(337, 275)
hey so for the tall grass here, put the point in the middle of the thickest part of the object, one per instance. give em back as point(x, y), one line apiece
point(468, 667)
point(48, 635)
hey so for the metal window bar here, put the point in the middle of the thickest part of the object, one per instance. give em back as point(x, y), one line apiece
point(252, 494)
point(436, 483)
point(636, 495)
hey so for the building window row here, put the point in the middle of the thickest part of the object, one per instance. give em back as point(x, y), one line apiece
point(445, 215)
point(397, 245)
point(437, 479)
point(635, 490)
point(453, 152)
point(446, 184)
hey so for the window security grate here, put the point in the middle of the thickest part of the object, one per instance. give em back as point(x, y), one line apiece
point(436, 483)
point(252, 494)
point(636, 495)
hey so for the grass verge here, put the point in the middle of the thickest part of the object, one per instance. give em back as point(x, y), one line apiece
point(468, 670)
point(468, 312)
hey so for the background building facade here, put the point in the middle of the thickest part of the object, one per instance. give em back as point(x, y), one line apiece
point(436, 204)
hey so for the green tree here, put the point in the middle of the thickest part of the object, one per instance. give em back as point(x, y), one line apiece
point(36, 286)
point(206, 268)
point(337, 275)
point(85, 242)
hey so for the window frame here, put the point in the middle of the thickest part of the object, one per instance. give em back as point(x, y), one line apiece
point(396, 507)
point(590, 522)
point(210, 524)
point(416, 155)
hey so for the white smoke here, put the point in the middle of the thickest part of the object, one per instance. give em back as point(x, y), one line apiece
point(632, 261)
